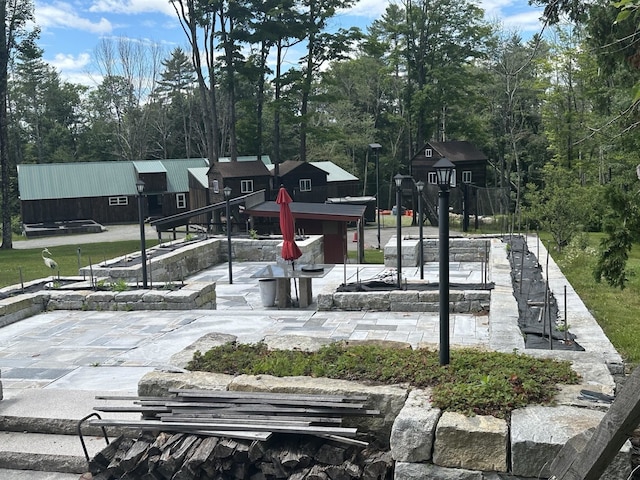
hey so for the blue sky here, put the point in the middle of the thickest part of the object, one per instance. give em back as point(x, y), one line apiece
point(72, 29)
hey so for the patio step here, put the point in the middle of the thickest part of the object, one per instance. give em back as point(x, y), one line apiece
point(46, 452)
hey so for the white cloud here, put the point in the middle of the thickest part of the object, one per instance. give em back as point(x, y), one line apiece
point(523, 22)
point(62, 62)
point(132, 6)
point(63, 15)
point(367, 8)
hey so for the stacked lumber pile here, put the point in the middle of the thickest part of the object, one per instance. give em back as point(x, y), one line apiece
point(241, 435)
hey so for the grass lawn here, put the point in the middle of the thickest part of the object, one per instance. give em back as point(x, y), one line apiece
point(30, 262)
point(617, 311)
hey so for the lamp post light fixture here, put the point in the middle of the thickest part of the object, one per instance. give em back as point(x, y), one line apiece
point(375, 147)
point(143, 248)
point(420, 188)
point(444, 170)
point(398, 179)
point(227, 197)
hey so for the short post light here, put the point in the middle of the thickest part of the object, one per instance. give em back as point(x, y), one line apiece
point(398, 179)
point(444, 170)
point(143, 248)
point(375, 148)
point(227, 196)
point(420, 188)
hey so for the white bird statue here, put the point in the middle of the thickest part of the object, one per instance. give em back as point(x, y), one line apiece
point(48, 261)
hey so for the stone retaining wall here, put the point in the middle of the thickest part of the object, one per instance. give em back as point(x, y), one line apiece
point(193, 295)
point(460, 250)
point(461, 301)
point(173, 265)
point(424, 441)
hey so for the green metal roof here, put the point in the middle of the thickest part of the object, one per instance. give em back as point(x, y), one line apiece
point(177, 177)
point(200, 174)
point(335, 173)
point(99, 179)
point(149, 166)
point(75, 180)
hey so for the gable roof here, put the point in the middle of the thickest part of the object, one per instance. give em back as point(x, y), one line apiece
point(200, 175)
point(248, 158)
point(291, 165)
point(334, 172)
point(99, 179)
point(456, 150)
point(75, 180)
point(253, 168)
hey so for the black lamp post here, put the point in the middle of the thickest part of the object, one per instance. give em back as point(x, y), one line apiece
point(419, 188)
point(227, 197)
point(398, 179)
point(143, 248)
point(444, 170)
point(375, 147)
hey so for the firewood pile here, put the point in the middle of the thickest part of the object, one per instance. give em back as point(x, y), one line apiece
point(196, 434)
point(181, 456)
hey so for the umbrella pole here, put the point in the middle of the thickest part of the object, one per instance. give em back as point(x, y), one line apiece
point(295, 285)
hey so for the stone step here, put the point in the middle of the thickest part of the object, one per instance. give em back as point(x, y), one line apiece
point(46, 452)
point(7, 474)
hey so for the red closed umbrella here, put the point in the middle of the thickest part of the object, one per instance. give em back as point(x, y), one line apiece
point(290, 250)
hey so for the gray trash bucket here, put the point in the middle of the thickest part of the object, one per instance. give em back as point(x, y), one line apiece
point(268, 291)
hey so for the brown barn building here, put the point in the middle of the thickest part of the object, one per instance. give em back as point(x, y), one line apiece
point(103, 191)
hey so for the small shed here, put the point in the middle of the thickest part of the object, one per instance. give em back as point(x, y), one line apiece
point(305, 181)
point(470, 163)
point(242, 177)
point(340, 183)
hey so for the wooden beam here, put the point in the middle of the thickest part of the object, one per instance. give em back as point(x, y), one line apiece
point(615, 428)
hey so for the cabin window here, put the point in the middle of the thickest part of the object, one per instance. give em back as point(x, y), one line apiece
point(181, 200)
point(216, 186)
point(305, 184)
point(246, 186)
point(117, 201)
point(433, 178)
point(466, 176)
point(428, 152)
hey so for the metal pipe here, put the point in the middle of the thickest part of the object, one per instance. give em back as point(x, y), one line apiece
point(421, 251)
point(143, 248)
point(443, 241)
point(399, 234)
point(229, 241)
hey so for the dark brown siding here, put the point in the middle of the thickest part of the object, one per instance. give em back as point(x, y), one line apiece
point(93, 208)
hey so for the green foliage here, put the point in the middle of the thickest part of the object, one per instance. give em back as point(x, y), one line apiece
point(615, 310)
point(119, 286)
point(475, 382)
point(622, 218)
point(562, 206)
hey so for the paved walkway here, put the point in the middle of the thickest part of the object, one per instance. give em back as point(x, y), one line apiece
point(82, 350)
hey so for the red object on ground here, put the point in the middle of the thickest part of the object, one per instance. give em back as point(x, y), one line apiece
point(290, 250)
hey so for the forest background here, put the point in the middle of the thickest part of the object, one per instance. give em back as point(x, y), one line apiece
point(556, 115)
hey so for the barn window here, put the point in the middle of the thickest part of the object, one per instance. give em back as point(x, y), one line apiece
point(181, 200)
point(466, 176)
point(305, 184)
point(246, 186)
point(433, 178)
point(216, 186)
point(428, 152)
point(116, 201)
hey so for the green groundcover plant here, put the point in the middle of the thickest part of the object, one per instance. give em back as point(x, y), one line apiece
point(475, 382)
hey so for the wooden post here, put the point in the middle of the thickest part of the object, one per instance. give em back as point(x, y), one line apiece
point(588, 463)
